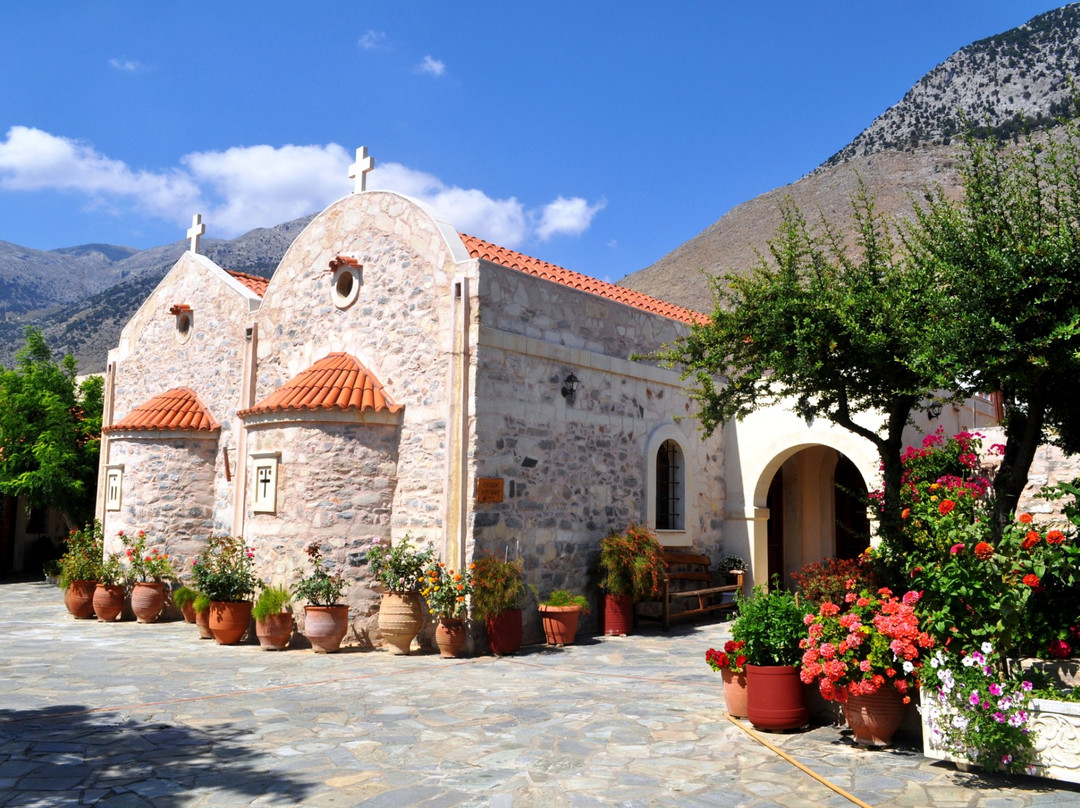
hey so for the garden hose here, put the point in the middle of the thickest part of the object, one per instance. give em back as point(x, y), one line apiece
point(773, 748)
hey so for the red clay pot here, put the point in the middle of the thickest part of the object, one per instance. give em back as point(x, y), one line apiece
point(504, 632)
point(230, 620)
point(560, 623)
point(79, 599)
point(618, 615)
point(734, 692)
point(147, 600)
point(450, 636)
point(274, 631)
point(876, 717)
point(108, 602)
point(325, 627)
point(774, 697)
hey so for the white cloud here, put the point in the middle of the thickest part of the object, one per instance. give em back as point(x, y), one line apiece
point(567, 217)
point(372, 40)
point(431, 66)
point(260, 186)
point(263, 185)
point(126, 65)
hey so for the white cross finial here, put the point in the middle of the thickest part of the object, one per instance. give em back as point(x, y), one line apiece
point(358, 171)
point(197, 229)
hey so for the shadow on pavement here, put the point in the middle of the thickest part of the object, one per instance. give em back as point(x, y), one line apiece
point(65, 755)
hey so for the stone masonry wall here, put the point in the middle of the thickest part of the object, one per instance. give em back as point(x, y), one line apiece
point(168, 492)
point(152, 358)
point(335, 486)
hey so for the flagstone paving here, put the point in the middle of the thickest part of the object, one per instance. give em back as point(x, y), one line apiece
point(128, 715)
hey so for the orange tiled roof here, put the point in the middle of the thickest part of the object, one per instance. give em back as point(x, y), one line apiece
point(178, 408)
point(336, 382)
point(478, 248)
point(253, 282)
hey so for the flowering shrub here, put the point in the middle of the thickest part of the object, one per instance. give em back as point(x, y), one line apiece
point(632, 563)
point(152, 565)
point(223, 571)
point(827, 580)
point(445, 590)
point(399, 567)
point(976, 713)
point(498, 586)
point(730, 658)
point(319, 587)
point(875, 643)
point(81, 560)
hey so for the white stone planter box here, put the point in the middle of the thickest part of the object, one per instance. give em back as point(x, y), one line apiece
point(1056, 725)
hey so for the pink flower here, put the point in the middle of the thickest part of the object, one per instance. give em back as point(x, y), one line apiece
point(956, 548)
point(1059, 649)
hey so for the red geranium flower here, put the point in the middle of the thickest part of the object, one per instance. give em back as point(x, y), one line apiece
point(984, 551)
point(946, 506)
point(1031, 579)
point(1055, 537)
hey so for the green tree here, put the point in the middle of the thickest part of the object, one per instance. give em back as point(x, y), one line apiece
point(838, 331)
point(1009, 248)
point(50, 432)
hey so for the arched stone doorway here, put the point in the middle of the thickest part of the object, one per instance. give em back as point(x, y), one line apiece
point(816, 503)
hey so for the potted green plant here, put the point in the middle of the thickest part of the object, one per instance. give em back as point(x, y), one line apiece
point(498, 590)
point(446, 593)
point(223, 572)
point(110, 589)
point(631, 568)
point(326, 619)
point(559, 614)
point(732, 567)
point(201, 605)
point(273, 618)
point(770, 623)
point(399, 568)
point(150, 569)
point(80, 567)
point(184, 598)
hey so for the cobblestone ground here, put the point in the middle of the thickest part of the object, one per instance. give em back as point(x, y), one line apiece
point(148, 715)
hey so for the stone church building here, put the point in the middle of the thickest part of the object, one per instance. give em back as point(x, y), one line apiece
point(398, 378)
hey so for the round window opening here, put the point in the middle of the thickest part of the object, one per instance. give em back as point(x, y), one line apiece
point(346, 286)
point(183, 326)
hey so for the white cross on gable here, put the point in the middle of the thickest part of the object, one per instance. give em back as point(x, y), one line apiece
point(358, 171)
point(197, 229)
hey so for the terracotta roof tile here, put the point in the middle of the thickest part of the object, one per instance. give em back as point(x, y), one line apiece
point(478, 248)
point(253, 282)
point(336, 382)
point(178, 408)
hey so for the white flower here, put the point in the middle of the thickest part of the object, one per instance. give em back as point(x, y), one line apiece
point(968, 661)
point(909, 666)
point(987, 648)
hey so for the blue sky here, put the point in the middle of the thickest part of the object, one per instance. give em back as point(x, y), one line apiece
point(595, 134)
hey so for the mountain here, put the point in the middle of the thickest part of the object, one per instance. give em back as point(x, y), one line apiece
point(103, 286)
point(1001, 84)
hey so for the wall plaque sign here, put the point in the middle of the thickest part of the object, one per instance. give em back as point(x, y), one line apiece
point(489, 489)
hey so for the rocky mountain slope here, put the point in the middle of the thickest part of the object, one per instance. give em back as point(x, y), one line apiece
point(1002, 83)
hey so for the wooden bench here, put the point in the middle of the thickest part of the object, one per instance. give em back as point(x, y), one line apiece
point(689, 576)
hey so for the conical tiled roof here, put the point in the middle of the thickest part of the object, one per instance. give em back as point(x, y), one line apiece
point(336, 382)
point(478, 248)
point(174, 409)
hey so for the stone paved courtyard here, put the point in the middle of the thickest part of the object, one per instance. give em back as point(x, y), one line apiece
point(149, 715)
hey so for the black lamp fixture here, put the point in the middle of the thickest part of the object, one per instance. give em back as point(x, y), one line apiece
point(934, 411)
point(569, 386)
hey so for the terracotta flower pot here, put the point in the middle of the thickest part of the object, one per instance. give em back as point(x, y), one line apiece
point(504, 632)
point(147, 600)
point(108, 602)
point(202, 623)
point(188, 611)
point(774, 697)
point(79, 599)
point(325, 627)
point(274, 631)
point(874, 718)
point(560, 623)
point(450, 636)
point(401, 616)
point(618, 615)
point(230, 620)
point(734, 692)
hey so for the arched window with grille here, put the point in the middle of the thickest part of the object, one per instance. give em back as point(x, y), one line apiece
point(670, 487)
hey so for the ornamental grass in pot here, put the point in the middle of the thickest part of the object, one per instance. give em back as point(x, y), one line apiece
point(498, 592)
point(446, 592)
point(184, 598)
point(560, 614)
point(399, 568)
point(770, 624)
point(224, 573)
point(326, 618)
point(273, 618)
point(631, 566)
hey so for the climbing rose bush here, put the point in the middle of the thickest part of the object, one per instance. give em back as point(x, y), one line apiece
point(876, 643)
